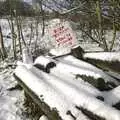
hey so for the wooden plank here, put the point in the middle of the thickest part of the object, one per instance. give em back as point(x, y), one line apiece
point(37, 84)
point(51, 114)
point(110, 64)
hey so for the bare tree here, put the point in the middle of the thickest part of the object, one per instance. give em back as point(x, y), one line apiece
point(114, 24)
point(43, 18)
point(2, 47)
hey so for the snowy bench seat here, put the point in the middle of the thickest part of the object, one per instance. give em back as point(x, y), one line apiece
point(60, 98)
point(104, 60)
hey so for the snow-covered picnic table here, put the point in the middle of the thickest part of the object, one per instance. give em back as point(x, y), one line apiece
point(67, 88)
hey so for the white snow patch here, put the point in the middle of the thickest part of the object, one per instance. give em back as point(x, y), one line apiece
point(78, 83)
point(43, 60)
point(72, 65)
point(106, 56)
point(43, 117)
point(9, 110)
point(27, 57)
point(113, 96)
point(59, 51)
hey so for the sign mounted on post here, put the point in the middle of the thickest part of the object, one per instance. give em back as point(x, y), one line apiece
point(63, 36)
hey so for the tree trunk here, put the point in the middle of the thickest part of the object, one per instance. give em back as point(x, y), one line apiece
point(18, 30)
point(2, 47)
point(13, 39)
point(21, 32)
point(43, 18)
point(98, 12)
point(114, 26)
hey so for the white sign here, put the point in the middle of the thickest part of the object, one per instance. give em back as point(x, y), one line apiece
point(62, 35)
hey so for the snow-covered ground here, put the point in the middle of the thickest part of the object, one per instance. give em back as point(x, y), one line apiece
point(10, 101)
point(13, 104)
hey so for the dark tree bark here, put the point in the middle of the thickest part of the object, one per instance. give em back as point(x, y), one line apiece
point(2, 47)
point(43, 18)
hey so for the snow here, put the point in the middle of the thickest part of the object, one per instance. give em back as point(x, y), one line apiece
point(27, 57)
point(56, 85)
point(61, 90)
point(74, 66)
point(114, 74)
point(40, 86)
point(79, 83)
point(42, 60)
point(112, 97)
point(43, 118)
point(58, 52)
point(106, 56)
point(19, 63)
point(80, 98)
point(57, 91)
point(61, 74)
point(9, 107)
point(90, 47)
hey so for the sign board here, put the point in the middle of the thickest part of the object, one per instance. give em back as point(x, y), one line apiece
point(62, 35)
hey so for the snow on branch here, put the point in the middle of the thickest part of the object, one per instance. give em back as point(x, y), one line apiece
point(73, 9)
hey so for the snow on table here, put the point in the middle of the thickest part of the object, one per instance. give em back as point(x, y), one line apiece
point(61, 90)
point(63, 94)
point(105, 56)
point(40, 86)
point(72, 65)
point(112, 97)
point(78, 83)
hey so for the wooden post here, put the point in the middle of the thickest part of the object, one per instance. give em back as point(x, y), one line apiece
point(77, 52)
